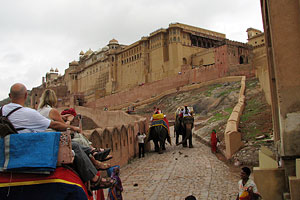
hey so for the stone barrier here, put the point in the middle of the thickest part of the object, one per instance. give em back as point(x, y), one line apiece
point(233, 138)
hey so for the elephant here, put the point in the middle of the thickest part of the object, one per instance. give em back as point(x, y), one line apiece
point(184, 126)
point(159, 134)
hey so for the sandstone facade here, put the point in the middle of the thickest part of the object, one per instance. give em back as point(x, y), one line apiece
point(165, 53)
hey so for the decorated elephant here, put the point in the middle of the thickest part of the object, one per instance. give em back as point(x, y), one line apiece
point(159, 132)
point(159, 135)
point(184, 126)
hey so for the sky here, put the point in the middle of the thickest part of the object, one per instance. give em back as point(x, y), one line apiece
point(36, 36)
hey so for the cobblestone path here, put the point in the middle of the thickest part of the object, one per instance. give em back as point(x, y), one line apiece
point(177, 173)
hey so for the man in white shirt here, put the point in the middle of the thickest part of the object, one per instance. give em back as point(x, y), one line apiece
point(247, 187)
point(141, 142)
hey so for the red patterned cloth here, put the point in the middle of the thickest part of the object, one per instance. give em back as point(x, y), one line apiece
point(68, 181)
point(69, 111)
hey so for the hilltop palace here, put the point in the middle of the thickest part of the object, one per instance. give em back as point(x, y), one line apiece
point(165, 53)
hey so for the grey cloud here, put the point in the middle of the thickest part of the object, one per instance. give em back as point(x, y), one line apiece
point(38, 35)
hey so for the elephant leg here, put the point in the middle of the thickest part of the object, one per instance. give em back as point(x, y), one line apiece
point(177, 137)
point(191, 141)
point(160, 147)
point(184, 142)
point(164, 145)
point(156, 146)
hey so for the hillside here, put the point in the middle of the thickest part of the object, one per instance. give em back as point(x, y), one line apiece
point(213, 105)
point(7, 100)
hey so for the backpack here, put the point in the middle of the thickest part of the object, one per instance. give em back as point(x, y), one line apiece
point(6, 127)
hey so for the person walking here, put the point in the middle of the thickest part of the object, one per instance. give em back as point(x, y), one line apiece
point(141, 138)
point(115, 193)
point(213, 141)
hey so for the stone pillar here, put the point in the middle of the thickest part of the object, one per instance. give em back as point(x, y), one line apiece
point(283, 47)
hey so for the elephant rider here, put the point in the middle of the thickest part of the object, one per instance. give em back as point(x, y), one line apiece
point(186, 112)
point(32, 121)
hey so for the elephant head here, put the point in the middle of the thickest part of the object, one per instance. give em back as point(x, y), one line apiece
point(188, 124)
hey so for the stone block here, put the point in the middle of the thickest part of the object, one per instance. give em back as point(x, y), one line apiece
point(233, 143)
point(266, 161)
point(294, 183)
point(231, 126)
point(298, 168)
point(270, 182)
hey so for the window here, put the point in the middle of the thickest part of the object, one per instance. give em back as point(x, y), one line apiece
point(174, 39)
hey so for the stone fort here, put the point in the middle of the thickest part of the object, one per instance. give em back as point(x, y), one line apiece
point(167, 58)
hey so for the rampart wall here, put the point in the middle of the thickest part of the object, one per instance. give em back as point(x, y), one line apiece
point(148, 90)
point(233, 138)
point(117, 131)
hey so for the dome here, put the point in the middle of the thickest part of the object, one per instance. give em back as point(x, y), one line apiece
point(81, 53)
point(74, 62)
point(88, 52)
point(56, 70)
point(51, 70)
point(113, 41)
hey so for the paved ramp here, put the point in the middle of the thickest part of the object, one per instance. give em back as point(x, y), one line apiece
point(177, 173)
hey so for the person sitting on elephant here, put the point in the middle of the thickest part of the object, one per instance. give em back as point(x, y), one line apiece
point(186, 112)
point(47, 102)
point(157, 111)
point(32, 121)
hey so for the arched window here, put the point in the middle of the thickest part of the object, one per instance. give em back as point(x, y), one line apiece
point(174, 39)
point(241, 60)
point(184, 61)
point(178, 39)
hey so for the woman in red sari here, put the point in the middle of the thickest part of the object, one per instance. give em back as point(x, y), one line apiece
point(213, 141)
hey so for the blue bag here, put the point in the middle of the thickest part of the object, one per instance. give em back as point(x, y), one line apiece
point(29, 151)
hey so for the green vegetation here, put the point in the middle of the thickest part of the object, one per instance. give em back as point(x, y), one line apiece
point(226, 92)
point(7, 100)
point(251, 83)
point(251, 109)
point(211, 88)
point(221, 115)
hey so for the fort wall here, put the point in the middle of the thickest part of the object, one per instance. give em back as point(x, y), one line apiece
point(149, 90)
point(118, 131)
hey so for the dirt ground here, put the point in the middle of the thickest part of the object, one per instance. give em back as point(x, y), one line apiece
point(213, 105)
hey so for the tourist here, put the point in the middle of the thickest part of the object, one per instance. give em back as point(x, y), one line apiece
point(213, 141)
point(115, 193)
point(68, 115)
point(157, 111)
point(247, 187)
point(29, 120)
point(186, 112)
point(141, 142)
point(46, 108)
